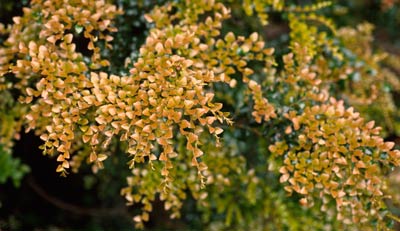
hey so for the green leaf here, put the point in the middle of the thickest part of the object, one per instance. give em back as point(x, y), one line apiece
point(78, 28)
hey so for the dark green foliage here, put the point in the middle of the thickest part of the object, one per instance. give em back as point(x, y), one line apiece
point(11, 168)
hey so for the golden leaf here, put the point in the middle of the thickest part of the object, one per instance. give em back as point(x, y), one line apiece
point(191, 137)
point(303, 201)
point(202, 166)
point(229, 37)
point(68, 38)
point(148, 18)
point(164, 171)
point(159, 48)
point(152, 157)
point(65, 164)
point(147, 129)
point(59, 168)
point(288, 189)
point(284, 178)
point(254, 37)
point(303, 191)
point(163, 157)
point(92, 157)
point(296, 124)
point(360, 164)
point(102, 157)
point(61, 148)
point(66, 155)
point(137, 218)
point(188, 104)
point(388, 145)
point(269, 51)
point(218, 130)
point(60, 158)
point(197, 153)
point(194, 162)
point(370, 124)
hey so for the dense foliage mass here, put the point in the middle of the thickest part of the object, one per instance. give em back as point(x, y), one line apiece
point(265, 134)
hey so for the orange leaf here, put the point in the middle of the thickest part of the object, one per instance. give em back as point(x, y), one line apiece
point(194, 162)
point(163, 157)
point(65, 164)
point(92, 157)
point(284, 178)
point(60, 158)
point(60, 168)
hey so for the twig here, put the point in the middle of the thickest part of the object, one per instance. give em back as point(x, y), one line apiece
point(390, 215)
point(95, 212)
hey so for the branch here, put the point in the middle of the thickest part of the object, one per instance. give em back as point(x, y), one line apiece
point(95, 212)
point(393, 217)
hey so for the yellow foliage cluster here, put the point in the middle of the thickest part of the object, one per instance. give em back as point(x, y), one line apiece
point(52, 75)
point(337, 154)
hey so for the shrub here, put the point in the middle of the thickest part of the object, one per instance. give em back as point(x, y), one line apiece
point(261, 135)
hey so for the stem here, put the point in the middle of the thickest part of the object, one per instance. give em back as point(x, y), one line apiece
point(98, 212)
point(391, 216)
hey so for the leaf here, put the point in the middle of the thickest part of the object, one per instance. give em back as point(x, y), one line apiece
point(163, 157)
point(92, 157)
point(60, 158)
point(78, 28)
point(137, 218)
point(284, 178)
point(202, 166)
point(68, 38)
point(370, 124)
point(218, 130)
point(59, 168)
point(229, 37)
point(159, 48)
point(229, 214)
point(254, 37)
point(102, 157)
point(65, 164)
